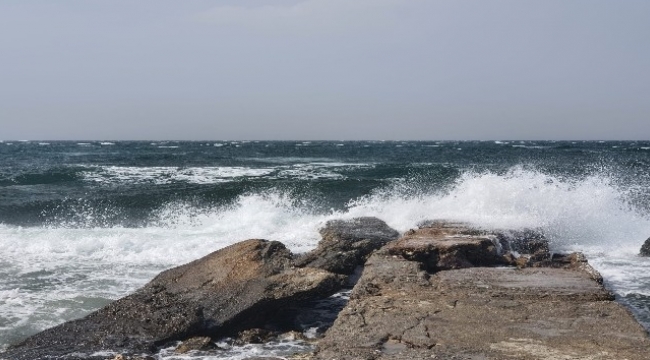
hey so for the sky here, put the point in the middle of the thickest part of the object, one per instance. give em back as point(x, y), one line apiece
point(324, 70)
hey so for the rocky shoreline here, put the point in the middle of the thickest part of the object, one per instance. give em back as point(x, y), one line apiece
point(445, 290)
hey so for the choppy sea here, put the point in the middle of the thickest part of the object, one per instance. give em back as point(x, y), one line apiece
point(86, 222)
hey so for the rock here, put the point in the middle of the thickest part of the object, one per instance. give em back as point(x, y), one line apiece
point(443, 246)
point(232, 289)
point(254, 336)
point(292, 336)
point(645, 248)
point(523, 241)
point(400, 310)
point(527, 241)
point(195, 343)
point(574, 261)
point(346, 244)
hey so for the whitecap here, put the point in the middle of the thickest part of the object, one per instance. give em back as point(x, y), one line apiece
point(76, 269)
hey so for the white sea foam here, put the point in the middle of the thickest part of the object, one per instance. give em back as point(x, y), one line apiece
point(529, 146)
point(229, 352)
point(166, 175)
point(49, 275)
point(112, 175)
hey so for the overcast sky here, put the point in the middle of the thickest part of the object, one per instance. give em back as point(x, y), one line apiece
point(324, 69)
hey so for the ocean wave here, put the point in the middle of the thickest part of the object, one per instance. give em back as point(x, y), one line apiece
point(67, 265)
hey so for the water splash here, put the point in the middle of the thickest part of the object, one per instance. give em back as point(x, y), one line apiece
point(62, 272)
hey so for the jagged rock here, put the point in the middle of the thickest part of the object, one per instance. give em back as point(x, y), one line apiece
point(523, 241)
point(254, 336)
point(292, 336)
point(237, 287)
point(645, 248)
point(346, 244)
point(443, 246)
point(195, 343)
point(527, 241)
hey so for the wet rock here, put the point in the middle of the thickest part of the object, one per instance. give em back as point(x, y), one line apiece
point(254, 336)
point(645, 248)
point(292, 336)
point(527, 241)
point(235, 288)
point(346, 244)
point(195, 343)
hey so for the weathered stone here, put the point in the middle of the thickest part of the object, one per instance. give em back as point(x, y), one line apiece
point(346, 244)
point(398, 310)
point(444, 245)
point(645, 248)
point(292, 336)
point(195, 343)
point(574, 261)
point(523, 241)
point(237, 287)
point(448, 246)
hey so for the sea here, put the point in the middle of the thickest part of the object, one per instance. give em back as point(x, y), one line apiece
point(83, 223)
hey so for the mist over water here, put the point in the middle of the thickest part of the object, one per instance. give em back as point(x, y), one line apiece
point(81, 225)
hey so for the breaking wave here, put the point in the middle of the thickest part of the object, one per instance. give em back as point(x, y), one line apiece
point(52, 274)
